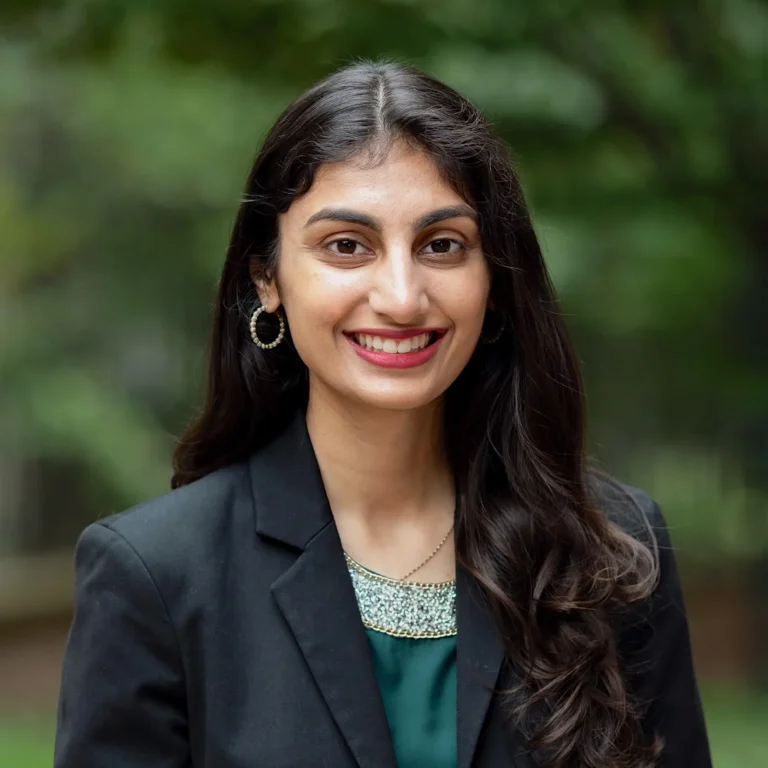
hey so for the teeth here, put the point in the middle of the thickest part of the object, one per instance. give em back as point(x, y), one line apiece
point(392, 346)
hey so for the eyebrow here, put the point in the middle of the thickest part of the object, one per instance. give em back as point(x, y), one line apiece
point(356, 217)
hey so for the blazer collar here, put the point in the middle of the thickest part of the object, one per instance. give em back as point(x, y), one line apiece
point(290, 501)
point(318, 601)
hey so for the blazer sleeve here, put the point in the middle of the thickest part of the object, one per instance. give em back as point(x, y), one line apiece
point(122, 699)
point(657, 650)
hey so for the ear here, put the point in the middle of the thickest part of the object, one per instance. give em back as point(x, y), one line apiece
point(269, 294)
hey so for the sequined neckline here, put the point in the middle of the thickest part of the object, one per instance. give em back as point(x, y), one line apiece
point(404, 608)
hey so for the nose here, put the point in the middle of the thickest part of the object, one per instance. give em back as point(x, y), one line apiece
point(398, 290)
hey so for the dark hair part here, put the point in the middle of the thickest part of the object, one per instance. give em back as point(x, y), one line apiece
point(556, 572)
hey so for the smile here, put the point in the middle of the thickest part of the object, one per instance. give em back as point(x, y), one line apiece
point(400, 349)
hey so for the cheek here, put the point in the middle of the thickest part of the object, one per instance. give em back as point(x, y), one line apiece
point(315, 300)
point(465, 301)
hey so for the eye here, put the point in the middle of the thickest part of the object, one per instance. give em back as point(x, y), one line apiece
point(445, 245)
point(346, 246)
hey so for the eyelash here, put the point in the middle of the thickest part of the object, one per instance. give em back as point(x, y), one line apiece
point(462, 247)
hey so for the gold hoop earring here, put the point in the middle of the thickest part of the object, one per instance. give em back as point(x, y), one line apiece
point(255, 336)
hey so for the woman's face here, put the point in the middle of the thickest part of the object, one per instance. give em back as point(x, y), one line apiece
point(382, 279)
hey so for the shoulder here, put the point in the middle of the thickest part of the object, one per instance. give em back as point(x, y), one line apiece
point(192, 511)
point(177, 531)
point(638, 514)
point(630, 508)
point(662, 611)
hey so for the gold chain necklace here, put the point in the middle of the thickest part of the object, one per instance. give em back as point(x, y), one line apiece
point(422, 564)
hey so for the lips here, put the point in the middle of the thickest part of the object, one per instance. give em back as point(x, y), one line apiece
point(396, 349)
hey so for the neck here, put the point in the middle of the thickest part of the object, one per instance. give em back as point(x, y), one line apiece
point(381, 465)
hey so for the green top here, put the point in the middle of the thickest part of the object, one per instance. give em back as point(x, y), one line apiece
point(417, 680)
point(411, 629)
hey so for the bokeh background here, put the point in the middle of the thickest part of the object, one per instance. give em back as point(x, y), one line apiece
point(640, 130)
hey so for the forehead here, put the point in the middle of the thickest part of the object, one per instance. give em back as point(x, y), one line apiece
point(405, 183)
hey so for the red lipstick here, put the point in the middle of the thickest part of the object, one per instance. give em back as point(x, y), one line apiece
point(409, 359)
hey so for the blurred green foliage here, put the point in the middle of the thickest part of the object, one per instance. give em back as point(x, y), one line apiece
point(126, 133)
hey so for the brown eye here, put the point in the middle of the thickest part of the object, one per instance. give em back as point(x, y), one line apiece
point(345, 246)
point(441, 246)
point(445, 245)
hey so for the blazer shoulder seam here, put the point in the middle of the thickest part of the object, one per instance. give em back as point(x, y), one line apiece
point(121, 537)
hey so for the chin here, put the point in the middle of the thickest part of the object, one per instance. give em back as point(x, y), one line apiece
point(396, 399)
point(387, 394)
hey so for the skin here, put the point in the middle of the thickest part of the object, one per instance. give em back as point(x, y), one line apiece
point(375, 430)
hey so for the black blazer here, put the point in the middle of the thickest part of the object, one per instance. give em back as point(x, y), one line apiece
point(217, 627)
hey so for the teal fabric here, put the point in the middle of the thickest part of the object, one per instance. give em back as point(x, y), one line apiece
point(417, 680)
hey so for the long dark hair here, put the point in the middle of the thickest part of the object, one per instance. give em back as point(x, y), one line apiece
point(555, 570)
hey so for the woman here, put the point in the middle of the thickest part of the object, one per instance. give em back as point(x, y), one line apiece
point(384, 546)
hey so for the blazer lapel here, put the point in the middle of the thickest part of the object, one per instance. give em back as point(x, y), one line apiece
point(479, 656)
point(316, 595)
